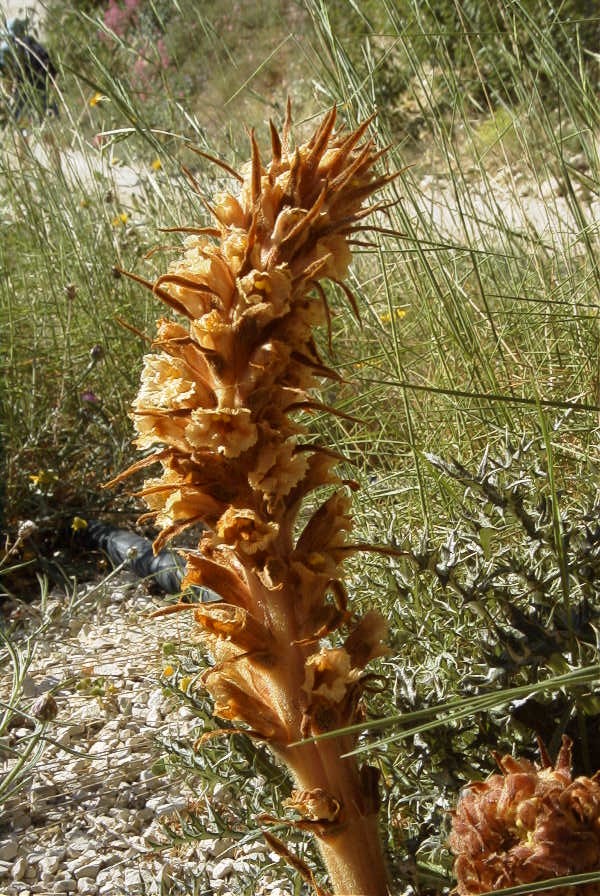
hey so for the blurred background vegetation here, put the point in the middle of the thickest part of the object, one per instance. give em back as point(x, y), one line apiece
point(475, 369)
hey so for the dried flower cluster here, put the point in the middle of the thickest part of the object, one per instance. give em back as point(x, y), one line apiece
point(526, 825)
point(223, 406)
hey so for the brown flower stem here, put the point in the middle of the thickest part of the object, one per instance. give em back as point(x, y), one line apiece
point(350, 845)
point(351, 850)
point(354, 860)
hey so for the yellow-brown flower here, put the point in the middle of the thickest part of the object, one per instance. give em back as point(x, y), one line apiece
point(223, 403)
point(528, 824)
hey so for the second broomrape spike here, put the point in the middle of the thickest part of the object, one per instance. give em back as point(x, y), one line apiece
point(527, 824)
point(220, 401)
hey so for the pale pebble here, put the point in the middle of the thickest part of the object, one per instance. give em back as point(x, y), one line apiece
point(87, 886)
point(66, 885)
point(222, 869)
point(49, 864)
point(19, 869)
point(8, 849)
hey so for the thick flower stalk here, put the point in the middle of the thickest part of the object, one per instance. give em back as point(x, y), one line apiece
point(223, 405)
point(526, 825)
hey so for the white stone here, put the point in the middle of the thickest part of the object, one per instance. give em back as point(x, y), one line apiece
point(87, 886)
point(91, 711)
point(19, 869)
point(99, 747)
point(89, 869)
point(79, 845)
point(222, 869)
point(550, 188)
point(218, 887)
point(49, 864)
point(135, 742)
point(66, 885)
point(5, 869)
point(105, 876)
point(161, 807)
point(242, 868)
point(8, 849)
point(78, 766)
point(133, 880)
point(124, 702)
point(250, 849)
point(112, 726)
point(69, 734)
point(153, 717)
point(156, 699)
point(19, 733)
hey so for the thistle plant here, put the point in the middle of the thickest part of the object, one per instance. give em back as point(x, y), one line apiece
point(222, 408)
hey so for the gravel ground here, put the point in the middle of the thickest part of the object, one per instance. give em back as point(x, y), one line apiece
point(88, 819)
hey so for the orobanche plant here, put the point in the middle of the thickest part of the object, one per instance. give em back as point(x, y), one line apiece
point(527, 824)
point(222, 405)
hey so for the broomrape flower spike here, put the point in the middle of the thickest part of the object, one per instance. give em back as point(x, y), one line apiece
point(527, 824)
point(218, 406)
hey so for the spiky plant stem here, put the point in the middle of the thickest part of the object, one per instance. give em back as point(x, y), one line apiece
point(222, 404)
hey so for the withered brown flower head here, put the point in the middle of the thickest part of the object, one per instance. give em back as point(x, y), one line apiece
point(527, 824)
point(222, 406)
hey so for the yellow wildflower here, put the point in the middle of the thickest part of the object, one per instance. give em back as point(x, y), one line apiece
point(97, 98)
point(120, 220)
point(386, 317)
point(156, 165)
point(168, 671)
point(43, 478)
point(78, 523)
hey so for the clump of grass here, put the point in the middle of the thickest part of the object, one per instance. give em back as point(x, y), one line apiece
point(19, 757)
point(482, 331)
point(186, 69)
point(63, 408)
point(71, 365)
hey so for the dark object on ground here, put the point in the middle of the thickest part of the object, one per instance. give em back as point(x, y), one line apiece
point(28, 66)
point(165, 569)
